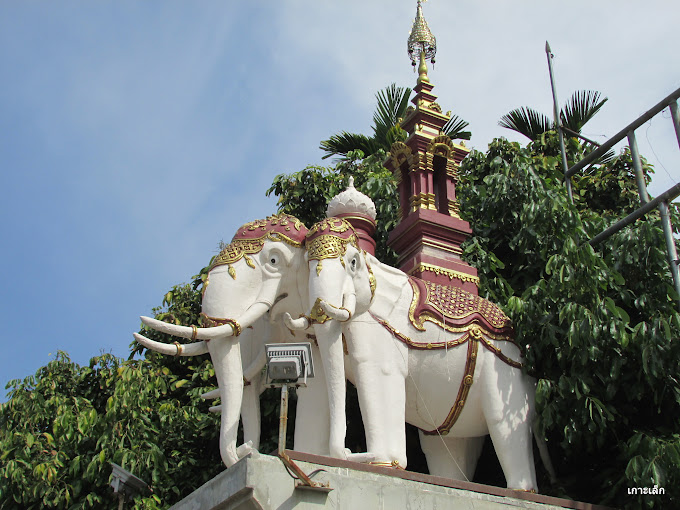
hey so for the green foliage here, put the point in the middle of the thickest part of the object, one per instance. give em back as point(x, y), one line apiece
point(598, 324)
point(305, 194)
point(61, 428)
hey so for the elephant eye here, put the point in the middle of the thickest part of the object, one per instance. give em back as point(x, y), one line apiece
point(274, 259)
point(353, 264)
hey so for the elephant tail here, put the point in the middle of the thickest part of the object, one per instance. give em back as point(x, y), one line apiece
point(545, 455)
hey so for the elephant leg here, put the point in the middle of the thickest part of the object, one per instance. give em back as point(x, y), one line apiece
point(379, 374)
point(508, 410)
point(451, 457)
point(250, 413)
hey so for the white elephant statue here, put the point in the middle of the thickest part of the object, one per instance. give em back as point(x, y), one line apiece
point(434, 356)
point(260, 275)
point(256, 278)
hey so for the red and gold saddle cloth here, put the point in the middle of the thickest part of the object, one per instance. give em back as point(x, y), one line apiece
point(456, 310)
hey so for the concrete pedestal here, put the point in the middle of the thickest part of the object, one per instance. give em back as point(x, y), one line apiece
point(261, 482)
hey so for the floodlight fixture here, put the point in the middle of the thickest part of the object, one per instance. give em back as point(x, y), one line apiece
point(288, 363)
point(291, 365)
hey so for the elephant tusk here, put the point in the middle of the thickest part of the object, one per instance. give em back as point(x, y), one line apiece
point(187, 331)
point(339, 313)
point(231, 328)
point(295, 324)
point(211, 394)
point(194, 349)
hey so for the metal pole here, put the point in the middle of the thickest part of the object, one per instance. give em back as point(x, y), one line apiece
point(593, 156)
point(283, 420)
point(558, 122)
point(666, 196)
point(676, 119)
point(670, 245)
point(637, 166)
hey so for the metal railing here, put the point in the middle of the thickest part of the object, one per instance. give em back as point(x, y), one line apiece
point(661, 202)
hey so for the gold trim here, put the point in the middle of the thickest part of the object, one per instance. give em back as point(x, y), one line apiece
point(371, 278)
point(317, 315)
point(241, 248)
point(418, 345)
point(194, 332)
point(394, 464)
point(451, 273)
point(454, 209)
point(422, 201)
point(441, 146)
point(337, 225)
point(211, 322)
point(179, 347)
point(419, 323)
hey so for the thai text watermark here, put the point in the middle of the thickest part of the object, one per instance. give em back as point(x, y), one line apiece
point(646, 490)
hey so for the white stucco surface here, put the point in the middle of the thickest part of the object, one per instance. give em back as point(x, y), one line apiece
point(261, 482)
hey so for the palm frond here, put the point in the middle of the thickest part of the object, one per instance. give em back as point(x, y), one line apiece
point(605, 159)
point(392, 103)
point(344, 142)
point(454, 128)
point(527, 122)
point(395, 134)
point(580, 108)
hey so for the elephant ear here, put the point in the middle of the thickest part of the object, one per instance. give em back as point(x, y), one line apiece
point(391, 283)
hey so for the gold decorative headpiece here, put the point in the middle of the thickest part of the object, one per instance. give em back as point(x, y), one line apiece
point(329, 239)
point(250, 239)
point(421, 40)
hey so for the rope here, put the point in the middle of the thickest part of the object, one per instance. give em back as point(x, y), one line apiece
point(415, 385)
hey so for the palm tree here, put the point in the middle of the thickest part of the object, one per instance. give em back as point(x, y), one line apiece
point(391, 109)
point(580, 108)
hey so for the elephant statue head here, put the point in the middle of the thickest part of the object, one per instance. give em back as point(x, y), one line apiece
point(262, 271)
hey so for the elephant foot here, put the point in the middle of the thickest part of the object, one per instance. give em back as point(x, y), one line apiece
point(245, 449)
point(364, 458)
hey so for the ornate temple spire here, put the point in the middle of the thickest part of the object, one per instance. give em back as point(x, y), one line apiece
point(430, 232)
point(422, 45)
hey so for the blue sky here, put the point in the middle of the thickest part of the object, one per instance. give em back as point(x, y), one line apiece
point(135, 136)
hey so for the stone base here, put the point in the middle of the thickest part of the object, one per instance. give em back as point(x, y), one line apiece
point(261, 482)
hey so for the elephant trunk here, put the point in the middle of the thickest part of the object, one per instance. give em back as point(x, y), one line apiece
point(329, 291)
point(329, 336)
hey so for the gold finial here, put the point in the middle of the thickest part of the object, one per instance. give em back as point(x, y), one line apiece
point(422, 45)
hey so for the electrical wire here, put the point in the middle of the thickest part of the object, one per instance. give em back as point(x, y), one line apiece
point(649, 124)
